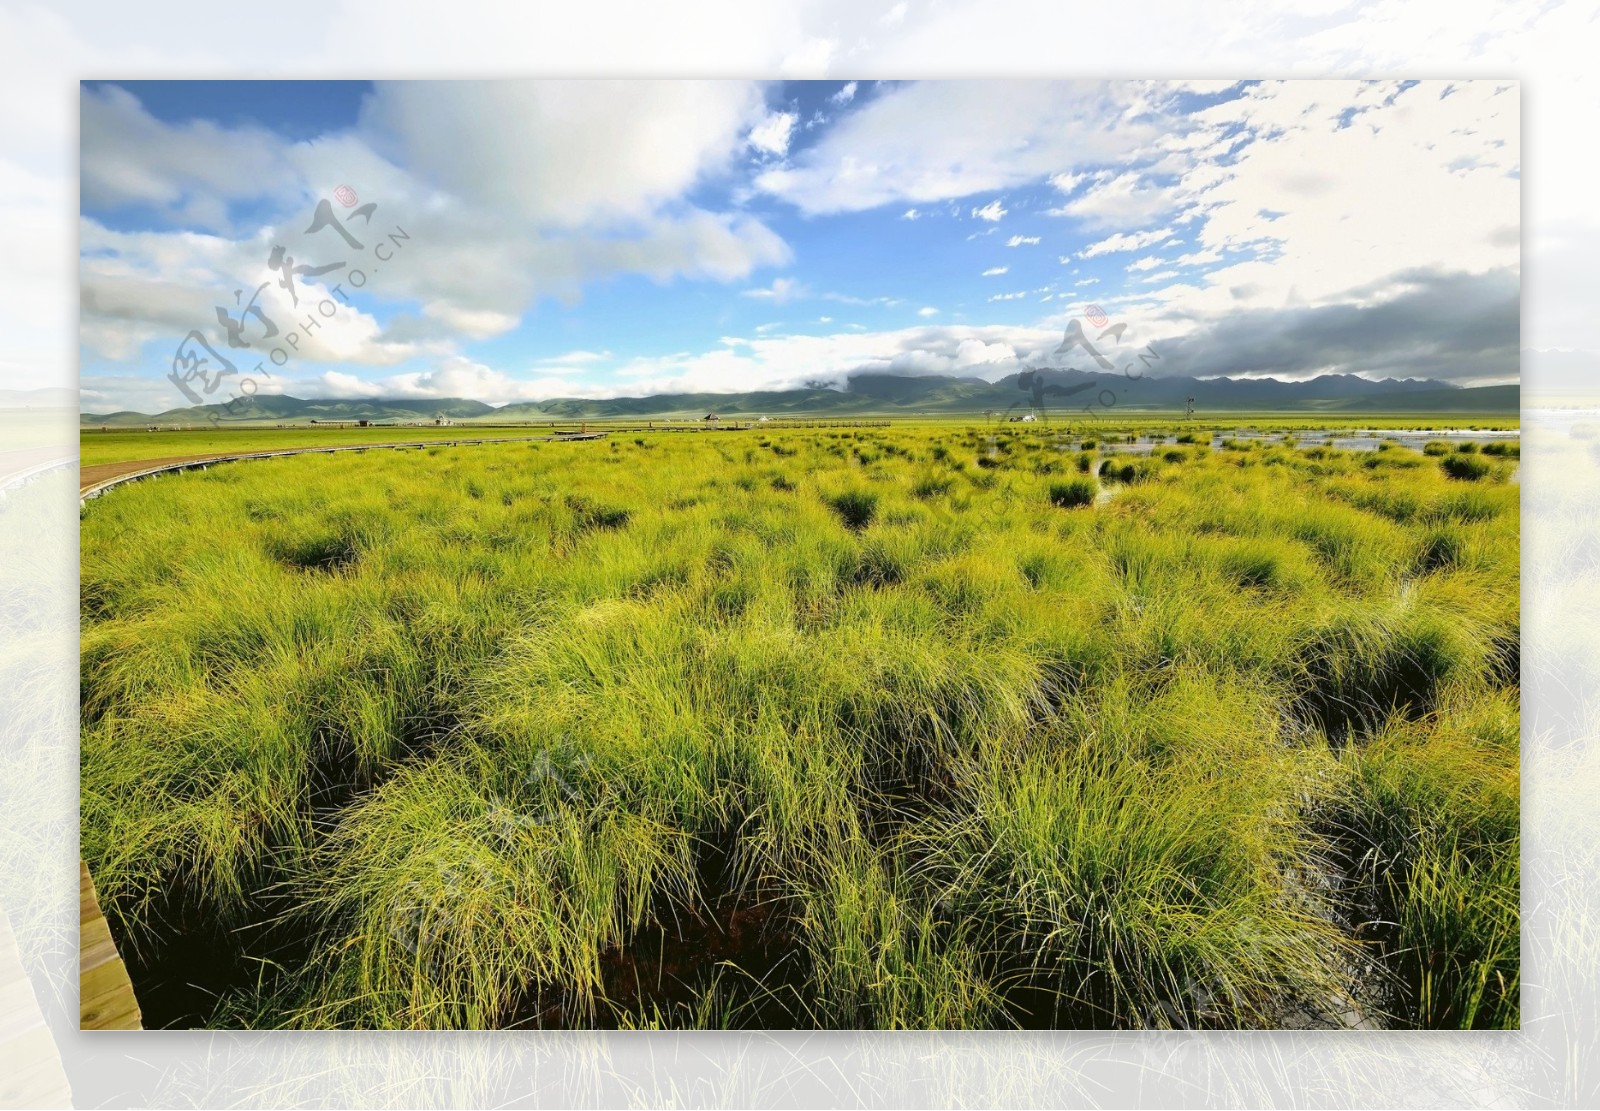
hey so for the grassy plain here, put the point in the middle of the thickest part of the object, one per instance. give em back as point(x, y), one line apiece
point(923, 726)
point(118, 445)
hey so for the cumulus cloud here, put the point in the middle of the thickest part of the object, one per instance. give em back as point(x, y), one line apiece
point(1125, 199)
point(563, 153)
point(772, 134)
point(736, 364)
point(1298, 203)
point(1313, 202)
point(135, 287)
point(786, 362)
point(186, 173)
point(507, 191)
point(1341, 184)
point(940, 141)
point(458, 376)
point(1066, 183)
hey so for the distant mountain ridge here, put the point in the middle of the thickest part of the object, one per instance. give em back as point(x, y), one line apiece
point(1055, 391)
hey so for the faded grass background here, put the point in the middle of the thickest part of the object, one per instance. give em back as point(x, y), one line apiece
point(1552, 1062)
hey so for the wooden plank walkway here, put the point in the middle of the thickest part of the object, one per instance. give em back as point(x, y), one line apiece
point(30, 1067)
point(97, 479)
point(105, 995)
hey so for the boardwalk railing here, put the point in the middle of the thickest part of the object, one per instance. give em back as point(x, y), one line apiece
point(202, 462)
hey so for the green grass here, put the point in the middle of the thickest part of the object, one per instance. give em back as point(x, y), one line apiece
point(689, 731)
point(1466, 465)
point(1074, 492)
point(119, 445)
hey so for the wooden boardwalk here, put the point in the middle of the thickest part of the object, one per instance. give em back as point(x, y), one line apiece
point(105, 996)
point(30, 1067)
point(95, 480)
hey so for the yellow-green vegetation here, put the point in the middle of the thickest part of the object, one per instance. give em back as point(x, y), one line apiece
point(119, 445)
point(937, 726)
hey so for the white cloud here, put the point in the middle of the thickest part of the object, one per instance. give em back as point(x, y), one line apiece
point(784, 362)
point(1285, 201)
point(1066, 183)
point(1127, 198)
point(563, 153)
point(462, 377)
point(189, 172)
point(139, 287)
point(511, 191)
point(1008, 296)
point(780, 291)
point(851, 299)
point(911, 214)
point(1121, 241)
point(992, 212)
point(772, 134)
point(577, 358)
point(1331, 189)
point(940, 141)
point(736, 364)
point(811, 58)
point(996, 271)
point(1020, 240)
point(845, 95)
point(927, 310)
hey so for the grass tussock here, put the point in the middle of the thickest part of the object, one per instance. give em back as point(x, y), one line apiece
point(1074, 492)
point(851, 729)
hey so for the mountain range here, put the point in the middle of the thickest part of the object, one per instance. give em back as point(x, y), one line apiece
point(1054, 391)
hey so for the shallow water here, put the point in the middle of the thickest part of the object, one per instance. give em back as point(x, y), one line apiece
point(1359, 440)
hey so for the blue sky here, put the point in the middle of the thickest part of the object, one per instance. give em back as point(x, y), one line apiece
point(605, 238)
